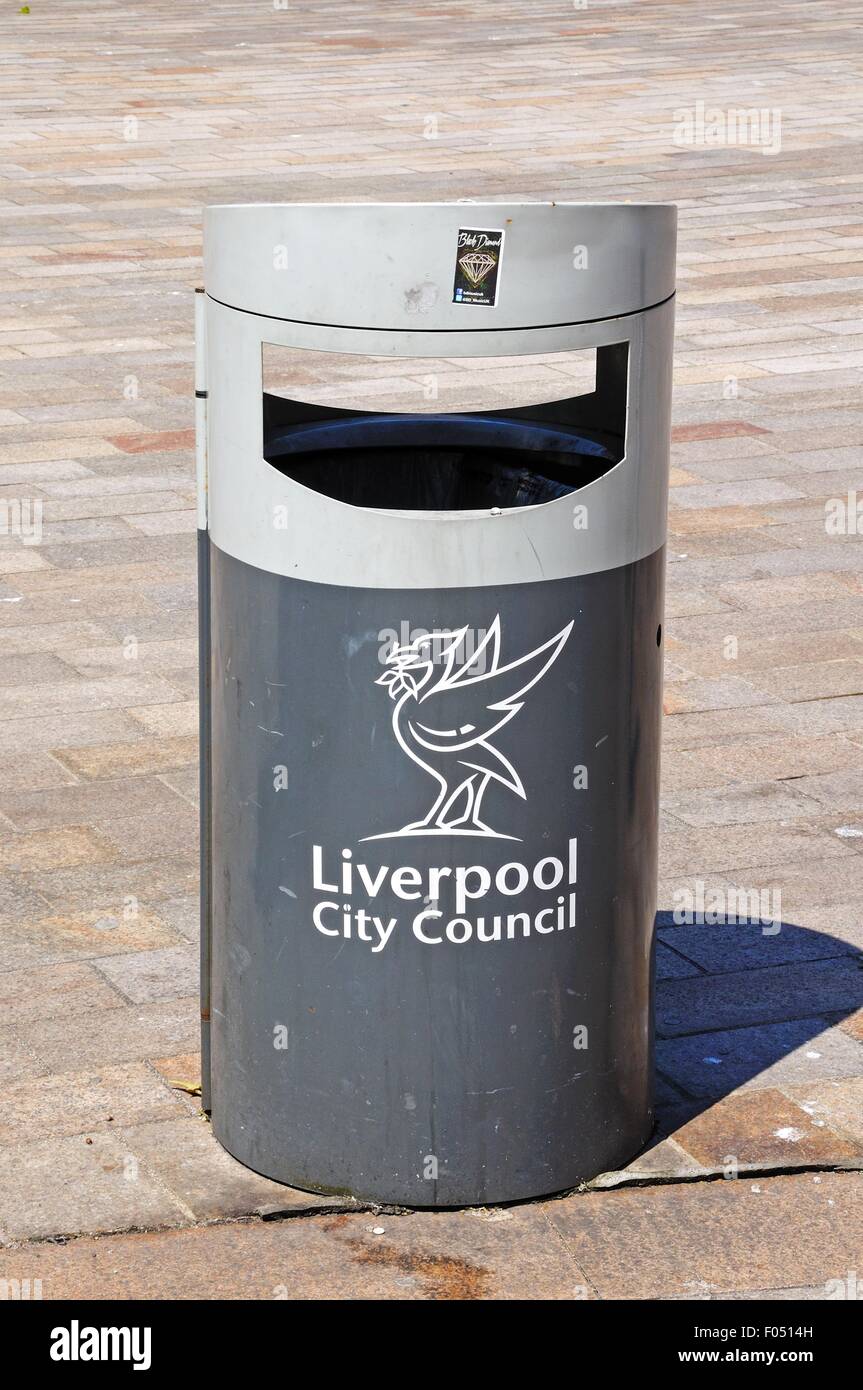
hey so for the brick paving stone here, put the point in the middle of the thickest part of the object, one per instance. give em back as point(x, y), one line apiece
point(811, 884)
point(183, 914)
point(837, 1105)
point(688, 850)
point(853, 1025)
point(88, 887)
point(25, 771)
point(663, 1160)
point(763, 1127)
point(743, 803)
point(185, 782)
point(104, 1097)
point(143, 838)
point(58, 1186)
point(117, 928)
point(696, 1240)
point(100, 805)
point(177, 720)
point(683, 769)
point(189, 1163)
point(841, 921)
point(839, 790)
point(145, 977)
point(700, 693)
point(670, 965)
point(111, 760)
point(49, 849)
point(78, 730)
point(826, 615)
point(686, 602)
point(744, 492)
point(148, 656)
point(47, 637)
point(767, 464)
point(446, 1256)
point(800, 760)
point(813, 681)
point(127, 1034)
point(18, 900)
point(32, 670)
point(61, 697)
point(680, 894)
point(756, 652)
point(813, 717)
point(185, 1067)
point(813, 1294)
point(66, 991)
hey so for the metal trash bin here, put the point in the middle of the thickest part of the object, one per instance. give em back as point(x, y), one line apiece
point(430, 699)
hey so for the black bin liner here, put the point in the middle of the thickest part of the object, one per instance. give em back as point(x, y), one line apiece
point(437, 462)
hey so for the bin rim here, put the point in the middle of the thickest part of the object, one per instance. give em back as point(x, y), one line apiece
point(454, 203)
point(391, 265)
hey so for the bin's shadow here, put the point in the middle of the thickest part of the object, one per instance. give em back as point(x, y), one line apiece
point(739, 999)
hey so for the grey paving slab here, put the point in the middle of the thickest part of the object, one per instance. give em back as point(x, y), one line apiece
point(697, 1240)
point(183, 914)
point(708, 1065)
point(732, 947)
point(65, 991)
point(93, 804)
point(748, 803)
point(117, 1035)
point(54, 1187)
point(186, 1160)
point(102, 1097)
point(759, 994)
point(672, 966)
point(448, 1256)
point(146, 977)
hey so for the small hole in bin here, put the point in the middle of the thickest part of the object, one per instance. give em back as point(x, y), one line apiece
point(659, 635)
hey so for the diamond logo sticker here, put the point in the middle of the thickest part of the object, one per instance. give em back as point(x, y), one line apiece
point(477, 266)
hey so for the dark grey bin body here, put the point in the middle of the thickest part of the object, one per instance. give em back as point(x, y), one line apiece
point(453, 1072)
point(421, 1006)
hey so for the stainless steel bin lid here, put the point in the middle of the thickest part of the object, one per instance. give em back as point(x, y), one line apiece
point(397, 266)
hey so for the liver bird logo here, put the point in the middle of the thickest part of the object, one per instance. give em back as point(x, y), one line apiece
point(447, 713)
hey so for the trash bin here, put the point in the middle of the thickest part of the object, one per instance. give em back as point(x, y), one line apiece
point(431, 649)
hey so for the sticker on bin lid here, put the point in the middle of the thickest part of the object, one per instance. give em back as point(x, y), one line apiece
point(477, 266)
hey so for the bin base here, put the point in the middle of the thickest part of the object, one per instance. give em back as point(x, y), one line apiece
point(382, 1196)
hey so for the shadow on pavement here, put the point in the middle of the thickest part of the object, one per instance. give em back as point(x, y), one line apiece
point(740, 999)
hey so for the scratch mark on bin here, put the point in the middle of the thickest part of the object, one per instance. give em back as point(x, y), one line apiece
point(535, 553)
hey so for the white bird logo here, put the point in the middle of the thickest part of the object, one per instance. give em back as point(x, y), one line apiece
point(485, 696)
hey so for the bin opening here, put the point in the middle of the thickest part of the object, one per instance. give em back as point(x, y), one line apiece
point(437, 462)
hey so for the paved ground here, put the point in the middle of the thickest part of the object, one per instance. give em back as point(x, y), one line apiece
point(125, 124)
